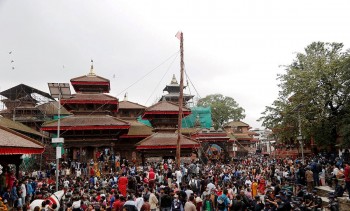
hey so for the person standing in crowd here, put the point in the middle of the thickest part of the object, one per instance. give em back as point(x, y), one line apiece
point(207, 203)
point(223, 202)
point(146, 205)
point(165, 201)
point(151, 178)
point(122, 184)
point(347, 178)
point(189, 205)
point(130, 205)
point(153, 201)
point(14, 195)
point(176, 204)
point(254, 188)
point(309, 175)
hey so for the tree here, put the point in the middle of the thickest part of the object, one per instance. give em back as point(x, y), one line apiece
point(223, 109)
point(318, 79)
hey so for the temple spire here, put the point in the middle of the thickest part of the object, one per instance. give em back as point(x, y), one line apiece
point(92, 73)
point(126, 96)
point(173, 80)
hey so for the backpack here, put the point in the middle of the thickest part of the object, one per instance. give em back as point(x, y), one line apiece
point(176, 205)
point(222, 202)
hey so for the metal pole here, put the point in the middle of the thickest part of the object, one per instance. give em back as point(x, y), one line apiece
point(58, 135)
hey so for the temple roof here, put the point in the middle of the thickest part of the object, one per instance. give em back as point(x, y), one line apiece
point(211, 135)
point(236, 124)
point(174, 86)
point(51, 108)
point(130, 105)
point(17, 126)
point(176, 95)
point(166, 106)
point(12, 142)
point(93, 97)
point(166, 141)
point(90, 83)
point(21, 91)
point(242, 136)
point(87, 122)
point(137, 129)
point(90, 78)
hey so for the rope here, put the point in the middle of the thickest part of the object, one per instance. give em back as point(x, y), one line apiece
point(171, 64)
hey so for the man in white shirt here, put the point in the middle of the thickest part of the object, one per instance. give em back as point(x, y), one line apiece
point(24, 192)
point(178, 176)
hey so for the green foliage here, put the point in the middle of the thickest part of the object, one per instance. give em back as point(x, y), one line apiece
point(318, 79)
point(223, 109)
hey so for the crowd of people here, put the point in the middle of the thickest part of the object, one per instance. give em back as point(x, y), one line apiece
point(252, 183)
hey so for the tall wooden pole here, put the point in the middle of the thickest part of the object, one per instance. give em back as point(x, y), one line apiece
point(179, 124)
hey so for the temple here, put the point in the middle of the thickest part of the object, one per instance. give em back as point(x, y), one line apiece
point(173, 90)
point(162, 143)
point(92, 127)
point(21, 105)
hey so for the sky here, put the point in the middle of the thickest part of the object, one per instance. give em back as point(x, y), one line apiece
point(234, 48)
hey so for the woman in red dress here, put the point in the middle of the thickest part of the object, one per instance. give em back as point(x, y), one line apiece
point(262, 185)
point(122, 184)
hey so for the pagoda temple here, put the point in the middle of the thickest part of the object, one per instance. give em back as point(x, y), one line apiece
point(245, 140)
point(139, 130)
point(173, 90)
point(162, 143)
point(22, 107)
point(92, 128)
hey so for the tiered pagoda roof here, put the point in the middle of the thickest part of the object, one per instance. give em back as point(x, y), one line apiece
point(163, 140)
point(164, 116)
point(90, 83)
point(164, 108)
point(92, 112)
point(173, 90)
point(87, 122)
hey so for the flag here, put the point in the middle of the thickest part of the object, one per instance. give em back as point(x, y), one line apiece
point(178, 35)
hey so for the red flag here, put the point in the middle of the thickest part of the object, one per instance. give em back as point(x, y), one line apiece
point(178, 35)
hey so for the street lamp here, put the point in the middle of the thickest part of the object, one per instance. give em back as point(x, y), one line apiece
point(59, 90)
point(300, 137)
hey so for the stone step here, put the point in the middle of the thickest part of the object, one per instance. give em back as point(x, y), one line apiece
point(324, 190)
point(344, 202)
